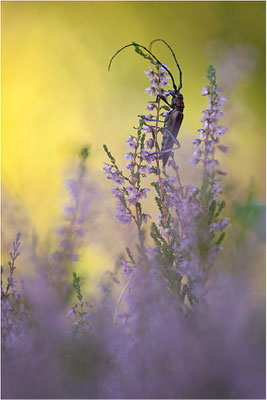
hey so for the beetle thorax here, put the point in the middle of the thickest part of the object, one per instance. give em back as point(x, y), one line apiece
point(178, 102)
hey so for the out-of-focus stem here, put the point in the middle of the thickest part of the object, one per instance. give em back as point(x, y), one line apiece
point(138, 220)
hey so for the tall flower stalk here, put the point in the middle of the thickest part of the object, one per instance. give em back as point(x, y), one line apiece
point(206, 145)
point(143, 160)
point(79, 311)
point(73, 231)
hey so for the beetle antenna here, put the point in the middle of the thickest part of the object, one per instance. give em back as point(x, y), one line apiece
point(178, 66)
point(138, 45)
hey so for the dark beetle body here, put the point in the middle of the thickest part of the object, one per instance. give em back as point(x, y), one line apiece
point(172, 125)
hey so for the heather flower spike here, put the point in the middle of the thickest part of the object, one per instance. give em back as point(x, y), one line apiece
point(78, 311)
point(72, 232)
point(11, 283)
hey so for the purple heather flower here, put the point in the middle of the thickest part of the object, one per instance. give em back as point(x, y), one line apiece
point(135, 195)
point(216, 186)
point(219, 131)
point(195, 161)
point(72, 313)
point(123, 218)
point(117, 178)
point(220, 226)
point(148, 157)
point(144, 169)
point(205, 91)
point(69, 211)
point(211, 163)
point(147, 128)
point(74, 257)
point(113, 174)
point(151, 90)
point(197, 153)
point(222, 99)
point(131, 189)
point(131, 143)
point(165, 231)
point(151, 106)
point(150, 73)
point(221, 172)
point(191, 190)
point(108, 168)
point(150, 144)
point(129, 156)
point(73, 187)
point(145, 217)
point(122, 214)
point(223, 148)
point(130, 165)
point(196, 142)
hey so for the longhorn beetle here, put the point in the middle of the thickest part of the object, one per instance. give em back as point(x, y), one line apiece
point(174, 117)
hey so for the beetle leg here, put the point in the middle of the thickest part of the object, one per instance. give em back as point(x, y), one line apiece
point(160, 96)
point(173, 138)
point(155, 120)
point(167, 151)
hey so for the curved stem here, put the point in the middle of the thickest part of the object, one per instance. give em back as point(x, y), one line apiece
point(120, 299)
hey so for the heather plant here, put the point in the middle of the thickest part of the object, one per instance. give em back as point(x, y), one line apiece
point(189, 229)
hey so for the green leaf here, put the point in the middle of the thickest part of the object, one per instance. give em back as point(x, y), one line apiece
point(212, 208)
point(142, 141)
point(112, 159)
point(157, 188)
point(221, 237)
point(211, 236)
point(211, 75)
point(155, 231)
point(220, 208)
point(158, 201)
point(84, 153)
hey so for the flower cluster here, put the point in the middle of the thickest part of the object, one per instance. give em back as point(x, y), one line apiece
point(159, 81)
point(206, 144)
point(12, 310)
point(209, 135)
point(127, 186)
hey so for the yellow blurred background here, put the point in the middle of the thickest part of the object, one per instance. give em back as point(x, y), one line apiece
point(57, 94)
